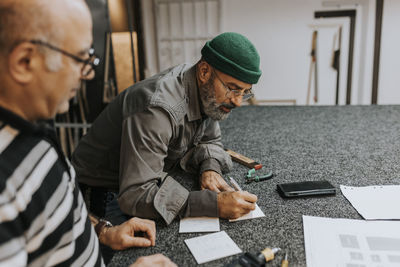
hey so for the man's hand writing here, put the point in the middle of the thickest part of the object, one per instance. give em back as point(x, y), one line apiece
point(213, 181)
point(232, 205)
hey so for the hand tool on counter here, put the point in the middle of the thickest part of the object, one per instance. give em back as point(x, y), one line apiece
point(244, 160)
point(253, 177)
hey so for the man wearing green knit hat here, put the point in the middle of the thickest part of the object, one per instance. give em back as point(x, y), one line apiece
point(165, 122)
point(235, 63)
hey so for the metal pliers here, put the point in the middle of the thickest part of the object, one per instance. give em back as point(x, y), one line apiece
point(253, 177)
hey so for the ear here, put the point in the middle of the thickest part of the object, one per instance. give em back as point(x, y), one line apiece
point(203, 71)
point(22, 62)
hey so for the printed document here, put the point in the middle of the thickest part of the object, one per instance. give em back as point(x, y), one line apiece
point(212, 247)
point(344, 242)
point(378, 202)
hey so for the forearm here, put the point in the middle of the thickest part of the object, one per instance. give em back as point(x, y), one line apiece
point(206, 157)
point(200, 203)
point(93, 220)
point(150, 201)
point(210, 165)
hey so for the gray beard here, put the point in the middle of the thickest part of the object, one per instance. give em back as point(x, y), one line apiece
point(210, 106)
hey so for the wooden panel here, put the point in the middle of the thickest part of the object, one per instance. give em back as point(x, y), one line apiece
point(122, 52)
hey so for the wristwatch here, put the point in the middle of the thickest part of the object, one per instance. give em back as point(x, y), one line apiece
point(100, 225)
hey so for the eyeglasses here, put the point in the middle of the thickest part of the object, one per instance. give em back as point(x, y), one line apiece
point(246, 94)
point(88, 64)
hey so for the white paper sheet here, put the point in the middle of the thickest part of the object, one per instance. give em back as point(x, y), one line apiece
point(199, 224)
point(257, 213)
point(344, 242)
point(212, 247)
point(374, 202)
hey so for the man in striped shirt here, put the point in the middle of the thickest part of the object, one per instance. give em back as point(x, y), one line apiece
point(44, 55)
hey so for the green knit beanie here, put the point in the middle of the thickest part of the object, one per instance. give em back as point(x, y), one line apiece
point(233, 54)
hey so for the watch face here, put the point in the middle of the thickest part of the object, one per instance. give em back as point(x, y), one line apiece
point(106, 223)
point(100, 225)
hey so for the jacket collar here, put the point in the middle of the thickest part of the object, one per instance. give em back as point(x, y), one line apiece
point(192, 94)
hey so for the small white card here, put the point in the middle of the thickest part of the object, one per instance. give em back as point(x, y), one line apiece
point(212, 247)
point(257, 213)
point(199, 224)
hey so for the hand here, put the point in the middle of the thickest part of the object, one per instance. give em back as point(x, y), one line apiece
point(122, 236)
point(153, 260)
point(213, 181)
point(232, 205)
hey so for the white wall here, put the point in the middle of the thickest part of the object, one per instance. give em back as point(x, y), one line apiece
point(283, 43)
point(151, 63)
point(280, 31)
point(389, 72)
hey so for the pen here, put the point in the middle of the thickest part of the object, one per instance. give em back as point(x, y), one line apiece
point(285, 262)
point(235, 184)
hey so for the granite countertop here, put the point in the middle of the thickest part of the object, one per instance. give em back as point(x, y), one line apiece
point(350, 145)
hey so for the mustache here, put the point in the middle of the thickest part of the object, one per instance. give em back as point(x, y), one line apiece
point(226, 105)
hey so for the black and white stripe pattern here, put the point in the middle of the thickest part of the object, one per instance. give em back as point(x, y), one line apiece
point(43, 218)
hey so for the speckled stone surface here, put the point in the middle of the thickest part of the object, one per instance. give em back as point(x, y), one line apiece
point(351, 145)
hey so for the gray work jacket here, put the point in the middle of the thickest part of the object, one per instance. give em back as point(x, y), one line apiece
point(143, 134)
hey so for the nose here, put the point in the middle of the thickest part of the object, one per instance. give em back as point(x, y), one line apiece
point(237, 100)
point(89, 76)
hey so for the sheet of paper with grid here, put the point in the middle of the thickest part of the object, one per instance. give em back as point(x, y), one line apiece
point(333, 242)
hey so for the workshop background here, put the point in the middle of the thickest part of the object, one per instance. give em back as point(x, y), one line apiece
point(313, 52)
point(282, 32)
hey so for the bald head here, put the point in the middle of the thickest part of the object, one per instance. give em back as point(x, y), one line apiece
point(22, 20)
point(38, 78)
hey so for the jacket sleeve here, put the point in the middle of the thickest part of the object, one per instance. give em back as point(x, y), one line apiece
point(208, 153)
point(145, 190)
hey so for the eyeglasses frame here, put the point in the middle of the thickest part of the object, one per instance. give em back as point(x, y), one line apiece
point(235, 92)
point(92, 61)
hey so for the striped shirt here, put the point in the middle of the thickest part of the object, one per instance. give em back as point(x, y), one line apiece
point(43, 218)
